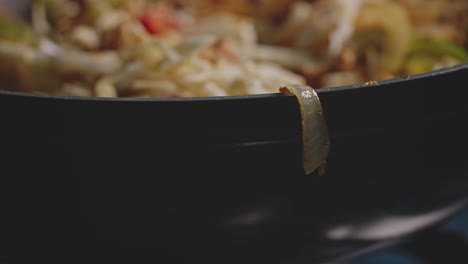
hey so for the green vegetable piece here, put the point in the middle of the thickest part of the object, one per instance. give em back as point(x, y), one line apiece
point(16, 31)
point(419, 64)
point(438, 47)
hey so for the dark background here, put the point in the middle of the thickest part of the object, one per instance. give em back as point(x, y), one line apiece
point(446, 244)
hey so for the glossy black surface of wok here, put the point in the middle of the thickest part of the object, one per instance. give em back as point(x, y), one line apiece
point(220, 180)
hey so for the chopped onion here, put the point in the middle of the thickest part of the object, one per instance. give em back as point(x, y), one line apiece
point(345, 27)
point(383, 34)
point(315, 140)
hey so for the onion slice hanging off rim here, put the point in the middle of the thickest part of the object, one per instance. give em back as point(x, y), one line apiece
point(315, 140)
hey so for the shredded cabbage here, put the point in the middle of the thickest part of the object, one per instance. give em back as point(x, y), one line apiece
point(170, 48)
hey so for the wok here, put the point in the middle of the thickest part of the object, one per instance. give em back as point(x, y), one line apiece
point(220, 180)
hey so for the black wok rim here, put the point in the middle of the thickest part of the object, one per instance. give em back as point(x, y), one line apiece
point(242, 97)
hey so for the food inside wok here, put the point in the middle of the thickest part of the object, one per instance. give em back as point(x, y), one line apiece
point(169, 48)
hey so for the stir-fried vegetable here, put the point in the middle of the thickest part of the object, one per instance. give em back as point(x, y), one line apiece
point(167, 48)
point(316, 143)
point(429, 54)
point(157, 22)
point(15, 31)
point(383, 35)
